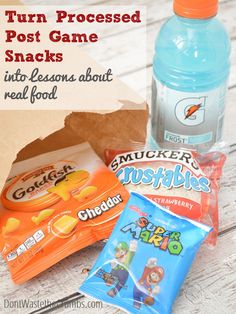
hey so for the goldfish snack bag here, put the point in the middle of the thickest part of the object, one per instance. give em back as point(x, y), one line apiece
point(55, 204)
point(146, 258)
point(182, 181)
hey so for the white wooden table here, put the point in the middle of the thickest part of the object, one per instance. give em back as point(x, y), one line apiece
point(210, 287)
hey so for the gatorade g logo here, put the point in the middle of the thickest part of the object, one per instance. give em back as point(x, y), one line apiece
point(191, 111)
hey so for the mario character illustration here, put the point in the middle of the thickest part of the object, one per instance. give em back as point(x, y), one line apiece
point(119, 274)
point(147, 287)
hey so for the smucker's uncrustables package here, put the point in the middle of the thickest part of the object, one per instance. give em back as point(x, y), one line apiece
point(146, 258)
point(55, 204)
point(183, 181)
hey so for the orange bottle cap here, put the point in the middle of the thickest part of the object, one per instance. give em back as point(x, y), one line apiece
point(196, 9)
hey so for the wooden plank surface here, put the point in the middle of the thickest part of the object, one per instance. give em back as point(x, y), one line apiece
point(210, 287)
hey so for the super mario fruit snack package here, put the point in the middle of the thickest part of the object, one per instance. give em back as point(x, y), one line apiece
point(146, 259)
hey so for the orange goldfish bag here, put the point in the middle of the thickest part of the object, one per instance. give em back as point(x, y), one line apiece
point(183, 181)
point(55, 204)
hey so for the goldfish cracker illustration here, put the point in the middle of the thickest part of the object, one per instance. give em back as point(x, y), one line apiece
point(150, 252)
point(86, 193)
point(65, 224)
point(43, 215)
point(63, 204)
point(63, 187)
point(180, 180)
point(11, 226)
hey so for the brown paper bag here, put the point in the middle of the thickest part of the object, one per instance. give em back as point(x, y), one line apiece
point(98, 129)
point(25, 134)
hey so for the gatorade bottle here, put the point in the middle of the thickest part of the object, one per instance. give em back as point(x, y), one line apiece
point(190, 74)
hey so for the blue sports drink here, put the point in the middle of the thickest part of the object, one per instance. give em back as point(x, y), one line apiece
point(190, 76)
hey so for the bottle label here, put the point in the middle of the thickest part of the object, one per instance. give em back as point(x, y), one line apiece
point(188, 118)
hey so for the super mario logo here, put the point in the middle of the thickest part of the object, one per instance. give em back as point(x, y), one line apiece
point(147, 232)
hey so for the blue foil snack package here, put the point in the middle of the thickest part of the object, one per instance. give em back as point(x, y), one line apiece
point(146, 258)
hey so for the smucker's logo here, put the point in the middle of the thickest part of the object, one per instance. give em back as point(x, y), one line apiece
point(182, 156)
point(158, 236)
point(33, 183)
